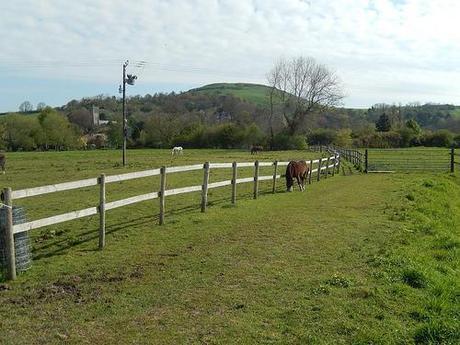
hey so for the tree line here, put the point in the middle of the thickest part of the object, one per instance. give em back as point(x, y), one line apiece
point(302, 107)
point(49, 130)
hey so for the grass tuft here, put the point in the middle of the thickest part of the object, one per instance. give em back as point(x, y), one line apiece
point(428, 183)
point(437, 332)
point(414, 278)
point(338, 281)
point(410, 197)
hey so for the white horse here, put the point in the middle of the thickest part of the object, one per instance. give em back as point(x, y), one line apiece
point(177, 150)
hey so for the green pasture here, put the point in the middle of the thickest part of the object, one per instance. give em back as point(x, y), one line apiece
point(356, 259)
point(254, 93)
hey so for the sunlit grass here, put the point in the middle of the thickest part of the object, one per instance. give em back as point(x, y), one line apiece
point(351, 260)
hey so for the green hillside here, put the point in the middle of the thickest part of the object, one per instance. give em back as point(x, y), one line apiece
point(254, 93)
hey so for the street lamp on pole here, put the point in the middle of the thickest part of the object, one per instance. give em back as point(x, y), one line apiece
point(130, 78)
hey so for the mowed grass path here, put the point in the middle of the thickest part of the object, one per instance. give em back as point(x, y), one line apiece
point(291, 268)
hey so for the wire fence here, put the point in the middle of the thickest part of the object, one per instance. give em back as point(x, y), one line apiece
point(21, 241)
point(410, 160)
point(398, 159)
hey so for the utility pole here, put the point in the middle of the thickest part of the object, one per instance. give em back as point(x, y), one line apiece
point(130, 78)
point(125, 127)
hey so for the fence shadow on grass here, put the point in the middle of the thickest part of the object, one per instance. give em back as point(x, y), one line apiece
point(47, 245)
point(66, 243)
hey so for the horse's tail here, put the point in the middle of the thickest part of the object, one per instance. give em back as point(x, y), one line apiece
point(289, 175)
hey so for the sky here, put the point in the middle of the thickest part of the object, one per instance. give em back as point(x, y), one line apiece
point(399, 51)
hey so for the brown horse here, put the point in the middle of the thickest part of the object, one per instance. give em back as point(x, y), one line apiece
point(255, 149)
point(296, 170)
point(2, 162)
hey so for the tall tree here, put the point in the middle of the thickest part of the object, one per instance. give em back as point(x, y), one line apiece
point(26, 106)
point(304, 86)
point(57, 131)
point(41, 106)
point(383, 124)
point(414, 126)
point(22, 132)
point(274, 78)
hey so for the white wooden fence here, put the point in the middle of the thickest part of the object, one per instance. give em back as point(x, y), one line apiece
point(328, 166)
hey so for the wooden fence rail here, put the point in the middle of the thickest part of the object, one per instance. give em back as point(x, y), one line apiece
point(323, 167)
point(353, 156)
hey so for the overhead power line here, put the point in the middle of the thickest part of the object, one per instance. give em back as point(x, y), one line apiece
point(14, 64)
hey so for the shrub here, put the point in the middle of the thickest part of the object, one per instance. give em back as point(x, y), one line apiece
point(226, 136)
point(322, 137)
point(385, 139)
point(284, 141)
point(343, 138)
point(408, 137)
point(457, 141)
point(441, 138)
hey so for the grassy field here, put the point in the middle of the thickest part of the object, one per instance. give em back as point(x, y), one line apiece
point(362, 259)
point(254, 93)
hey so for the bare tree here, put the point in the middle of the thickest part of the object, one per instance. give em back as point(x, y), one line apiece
point(26, 106)
point(41, 106)
point(274, 81)
point(302, 85)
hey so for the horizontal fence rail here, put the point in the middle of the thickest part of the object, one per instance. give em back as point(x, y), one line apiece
point(350, 155)
point(407, 160)
point(397, 159)
point(326, 166)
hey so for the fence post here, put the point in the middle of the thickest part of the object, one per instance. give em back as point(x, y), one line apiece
point(256, 179)
point(204, 188)
point(8, 236)
point(334, 165)
point(366, 161)
point(311, 168)
point(102, 211)
point(319, 169)
point(327, 166)
point(275, 170)
point(452, 159)
point(162, 194)
point(338, 163)
point(234, 176)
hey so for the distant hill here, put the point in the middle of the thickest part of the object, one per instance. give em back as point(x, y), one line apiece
point(246, 103)
point(253, 93)
point(429, 115)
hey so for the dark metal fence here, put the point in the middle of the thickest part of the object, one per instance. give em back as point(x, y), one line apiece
point(410, 160)
point(397, 160)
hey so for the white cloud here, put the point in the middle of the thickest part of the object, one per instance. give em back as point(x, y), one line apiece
point(383, 50)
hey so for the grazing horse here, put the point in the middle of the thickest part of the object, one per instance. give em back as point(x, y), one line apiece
point(177, 150)
point(296, 170)
point(255, 149)
point(2, 162)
